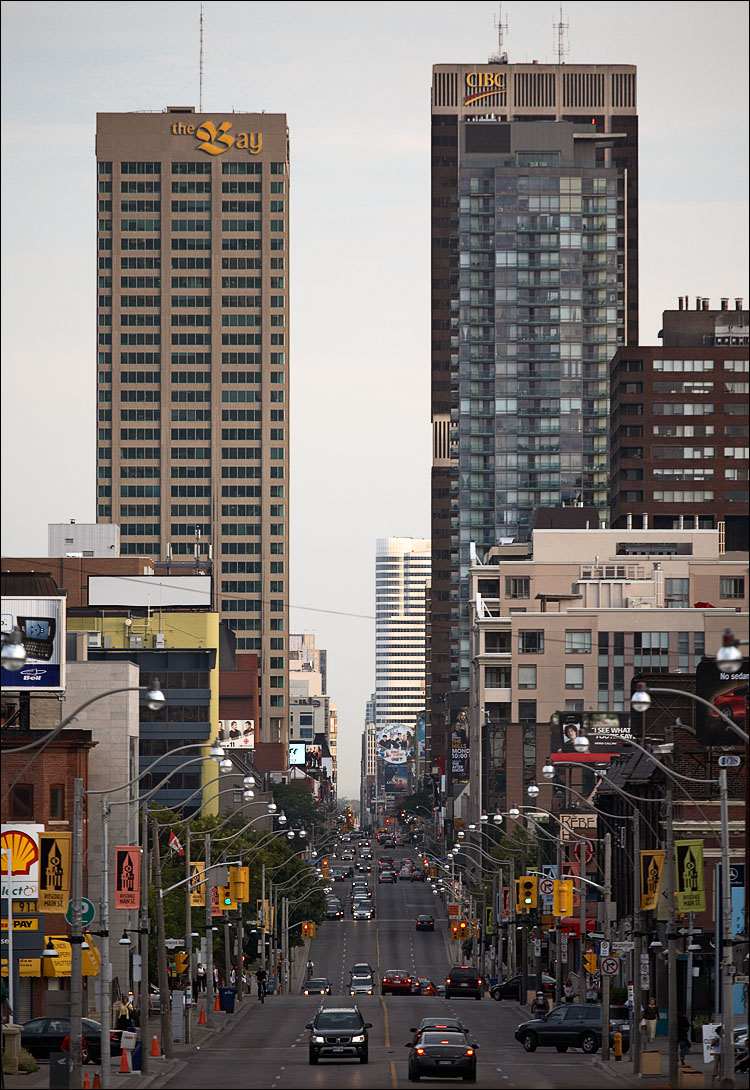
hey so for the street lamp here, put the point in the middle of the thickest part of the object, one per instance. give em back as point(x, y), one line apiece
point(729, 656)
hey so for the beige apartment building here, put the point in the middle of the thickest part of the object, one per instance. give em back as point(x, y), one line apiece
point(192, 361)
point(564, 622)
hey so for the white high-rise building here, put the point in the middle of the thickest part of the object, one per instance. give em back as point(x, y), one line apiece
point(402, 569)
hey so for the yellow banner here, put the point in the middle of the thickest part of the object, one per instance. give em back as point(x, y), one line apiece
point(690, 884)
point(54, 872)
point(652, 865)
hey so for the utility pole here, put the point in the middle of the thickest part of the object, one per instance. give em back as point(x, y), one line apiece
point(672, 999)
point(76, 939)
point(608, 938)
point(144, 936)
point(161, 949)
point(209, 938)
point(635, 1035)
point(193, 998)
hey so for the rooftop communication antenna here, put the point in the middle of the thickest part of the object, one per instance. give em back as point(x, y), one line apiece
point(561, 47)
point(501, 57)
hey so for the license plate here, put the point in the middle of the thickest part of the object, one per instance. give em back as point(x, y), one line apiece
point(338, 1049)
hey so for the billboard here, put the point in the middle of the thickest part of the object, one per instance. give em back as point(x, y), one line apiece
point(728, 693)
point(460, 748)
point(396, 779)
point(421, 735)
point(22, 841)
point(297, 754)
point(395, 744)
point(154, 591)
point(606, 732)
point(236, 733)
point(42, 625)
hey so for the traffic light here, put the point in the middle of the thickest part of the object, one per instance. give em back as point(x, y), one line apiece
point(463, 928)
point(180, 963)
point(226, 901)
point(528, 892)
point(454, 932)
point(305, 930)
point(589, 962)
point(239, 884)
point(324, 868)
point(562, 898)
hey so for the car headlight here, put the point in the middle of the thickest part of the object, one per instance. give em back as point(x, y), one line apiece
point(359, 1039)
point(319, 1040)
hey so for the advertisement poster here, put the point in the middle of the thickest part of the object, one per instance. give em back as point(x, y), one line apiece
point(41, 623)
point(54, 871)
point(605, 731)
point(691, 889)
point(728, 693)
point(460, 748)
point(396, 779)
point(236, 733)
point(297, 754)
point(127, 877)
point(421, 735)
point(395, 744)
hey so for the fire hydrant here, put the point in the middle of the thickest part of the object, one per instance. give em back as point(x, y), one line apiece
point(618, 1046)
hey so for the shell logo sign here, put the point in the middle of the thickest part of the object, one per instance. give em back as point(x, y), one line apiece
point(215, 140)
point(21, 843)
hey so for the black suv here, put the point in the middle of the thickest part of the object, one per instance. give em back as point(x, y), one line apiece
point(338, 1033)
point(511, 988)
point(572, 1025)
point(463, 980)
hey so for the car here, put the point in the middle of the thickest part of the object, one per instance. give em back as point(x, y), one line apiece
point(387, 876)
point(338, 874)
point(396, 981)
point(572, 1025)
point(442, 1054)
point(43, 1036)
point(362, 968)
point(405, 873)
point(361, 985)
point(338, 1033)
point(463, 980)
point(733, 704)
point(364, 866)
point(422, 985)
point(512, 987)
point(334, 911)
point(438, 1023)
point(362, 910)
point(316, 985)
point(425, 922)
point(418, 875)
point(386, 863)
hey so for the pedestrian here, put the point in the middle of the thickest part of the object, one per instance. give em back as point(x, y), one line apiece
point(201, 977)
point(683, 1035)
point(592, 993)
point(124, 1014)
point(310, 967)
point(716, 1047)
point(651, 1018)
point(569, 991)
point(540, 1006)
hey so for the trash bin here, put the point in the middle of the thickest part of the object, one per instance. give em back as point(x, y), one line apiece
point(226, 999)
point(58, 1070)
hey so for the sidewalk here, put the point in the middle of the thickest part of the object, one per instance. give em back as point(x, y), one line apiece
point(622, 1070)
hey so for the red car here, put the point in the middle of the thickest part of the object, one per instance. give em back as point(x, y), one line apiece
point(396, 981)
point(732, 704)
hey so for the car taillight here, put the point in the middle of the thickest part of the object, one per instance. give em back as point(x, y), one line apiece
point(469, 1051)
point(448, 980)
point(479, 981)
point(420, 1052)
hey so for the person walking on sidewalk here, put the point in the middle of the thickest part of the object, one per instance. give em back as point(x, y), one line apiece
point(716, 1047)
point(569, 991)
point(683, 1035)
point(651, 1018)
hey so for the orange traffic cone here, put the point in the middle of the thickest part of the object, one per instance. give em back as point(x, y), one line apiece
point(155, 1047)
point(217, 1004)
point(86, 1083)
point(97, 1083)
point(202, 1019)
point(125, 1062)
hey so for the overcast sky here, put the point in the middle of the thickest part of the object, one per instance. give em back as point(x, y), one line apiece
point(354, 81)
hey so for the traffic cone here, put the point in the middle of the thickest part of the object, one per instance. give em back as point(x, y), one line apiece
point(155, 1047)
point(202, 1018)
point(125, 1062)
point(217, 1004)
point(86, 1083)
point(97, 1083)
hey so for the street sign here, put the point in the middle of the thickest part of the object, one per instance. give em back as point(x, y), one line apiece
point(689, 931)
point(596, 934)
point(546, 886)
point(609, 966)
point(582, 845)
point(623, 947)
point(87, 912)
point(729, 760)
point(604, 949)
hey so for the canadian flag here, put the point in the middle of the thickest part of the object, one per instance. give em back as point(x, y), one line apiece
point(175, 844)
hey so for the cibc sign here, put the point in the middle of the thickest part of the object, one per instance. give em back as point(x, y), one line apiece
point(482, 85)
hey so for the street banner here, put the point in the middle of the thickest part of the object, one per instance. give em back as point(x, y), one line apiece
point(652, 864)
point(54, 871)
point(197, 884)
point(127, 877)
point(691, 888)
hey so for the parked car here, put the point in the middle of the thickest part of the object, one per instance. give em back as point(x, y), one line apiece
point(425, 922)
point(442, 1054)
point(338, 1033)
point(396, 981)
point(317, 985)
point(572, 1025)
point(43, 1036)
point(463, 980)
point(511, 988)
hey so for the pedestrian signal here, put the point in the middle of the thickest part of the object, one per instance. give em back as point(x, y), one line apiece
point(562, 898)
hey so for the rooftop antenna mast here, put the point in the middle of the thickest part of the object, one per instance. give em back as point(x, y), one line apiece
point(200, 77)
point(501, 56)
point(561, 48)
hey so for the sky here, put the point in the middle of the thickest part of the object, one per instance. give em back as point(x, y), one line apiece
point(354, 82)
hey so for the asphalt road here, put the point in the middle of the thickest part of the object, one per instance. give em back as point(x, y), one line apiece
point(268, 1046)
